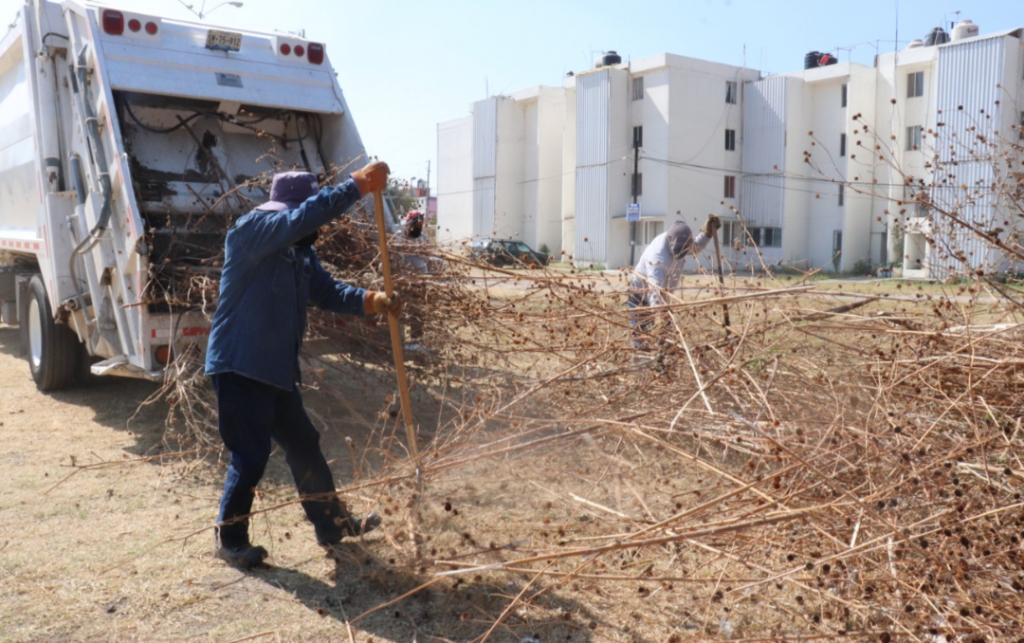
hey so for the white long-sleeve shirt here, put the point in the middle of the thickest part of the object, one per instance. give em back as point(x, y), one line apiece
point(659, 270)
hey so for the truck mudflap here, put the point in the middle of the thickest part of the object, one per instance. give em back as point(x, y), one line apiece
point(121, 366)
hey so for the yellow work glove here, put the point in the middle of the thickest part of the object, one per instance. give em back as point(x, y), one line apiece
point(711, 226)
point(378, 303)
point(372, 178)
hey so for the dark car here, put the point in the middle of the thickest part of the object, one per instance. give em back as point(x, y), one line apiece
point(505, 252)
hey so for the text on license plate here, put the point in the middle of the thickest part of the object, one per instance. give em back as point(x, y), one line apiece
point(223, 40)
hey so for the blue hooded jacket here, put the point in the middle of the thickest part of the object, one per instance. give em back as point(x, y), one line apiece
point(266, 284)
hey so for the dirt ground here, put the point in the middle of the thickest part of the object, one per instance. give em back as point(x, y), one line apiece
point(106, 535)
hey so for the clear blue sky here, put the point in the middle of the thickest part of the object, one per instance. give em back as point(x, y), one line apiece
point(405, 66)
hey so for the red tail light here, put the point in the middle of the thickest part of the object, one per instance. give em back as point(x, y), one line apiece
point(151, 28)
point(162, 355)
point(286, 49)
point(300, 50)
point(316, 53)
point(134, 25)
point(113, 22)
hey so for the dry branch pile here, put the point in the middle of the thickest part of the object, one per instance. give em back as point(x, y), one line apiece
point(828, 465)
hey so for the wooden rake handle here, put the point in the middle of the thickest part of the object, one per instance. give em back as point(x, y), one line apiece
point(721, 282)
point(396, 334)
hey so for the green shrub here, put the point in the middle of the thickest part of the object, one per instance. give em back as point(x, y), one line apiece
point(862, 267)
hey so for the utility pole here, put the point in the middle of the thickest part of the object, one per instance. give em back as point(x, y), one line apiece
point(632, 224)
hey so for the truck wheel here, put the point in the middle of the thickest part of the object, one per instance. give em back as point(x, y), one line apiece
point(52, 347)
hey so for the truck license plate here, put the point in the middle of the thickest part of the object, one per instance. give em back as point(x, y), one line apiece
point(223, 40)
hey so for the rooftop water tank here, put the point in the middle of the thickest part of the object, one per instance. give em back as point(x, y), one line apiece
point(915, 43)
point(936, 36)
point(965, 29)
point(818, 59)
point(608, 59)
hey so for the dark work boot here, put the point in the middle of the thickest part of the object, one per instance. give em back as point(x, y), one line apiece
point(355, 526)
point(245, 557)
point(352, 526)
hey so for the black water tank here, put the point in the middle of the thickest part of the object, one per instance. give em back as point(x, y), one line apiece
point(610, 58)
point(936, 36)
point(827, 59)
point(811, 59)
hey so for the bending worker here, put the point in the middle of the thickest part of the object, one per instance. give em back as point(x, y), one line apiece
point(659, 269)
point(270, 275)
point(411, 245)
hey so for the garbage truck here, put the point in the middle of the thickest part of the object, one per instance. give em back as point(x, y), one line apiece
point(129, 142)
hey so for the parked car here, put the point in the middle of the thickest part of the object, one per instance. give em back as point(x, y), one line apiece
point(505, 252)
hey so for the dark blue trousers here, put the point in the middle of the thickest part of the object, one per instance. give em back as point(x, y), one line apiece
point(252, 415)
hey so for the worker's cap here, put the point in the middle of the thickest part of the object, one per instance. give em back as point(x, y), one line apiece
point(414, 216)
point(289, 190)
point(680, 238)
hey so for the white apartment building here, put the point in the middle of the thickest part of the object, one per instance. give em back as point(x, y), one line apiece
point(554, 166)
point(684, 119)
point(799, 153)
point(819, 168)
point(958, 118)
point(500, 170)
point(869, 131)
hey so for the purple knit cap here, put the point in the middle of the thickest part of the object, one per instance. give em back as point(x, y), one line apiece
point(679, 238)
point(289, 190)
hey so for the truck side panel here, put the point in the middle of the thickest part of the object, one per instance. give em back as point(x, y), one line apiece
point(19, 192)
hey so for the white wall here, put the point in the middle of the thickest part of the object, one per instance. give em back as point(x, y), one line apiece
point(593, 163)
point(824, 117)
point(508, 204)
point(551, 119)
point(699, 162)
point(620, 168)
point(529, 187)
point(652, 113)
point(891, 119)
point(568, 209)
point(455, 179)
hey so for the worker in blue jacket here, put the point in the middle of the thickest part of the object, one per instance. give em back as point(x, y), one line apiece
point(270, 275)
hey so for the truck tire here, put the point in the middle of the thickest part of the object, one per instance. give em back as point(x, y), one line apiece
point(52, 348)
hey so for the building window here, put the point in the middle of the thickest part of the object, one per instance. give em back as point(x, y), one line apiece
point(842, 194)
point(638, 184)
point(842, 145)
point(915, 84)
point(730, 187)
point(837, 248)
point(638, 88)
point(730, 140)
point(844, 91)
point(765, 237)
point(652, 229)
point(916, 200)
point(731, 91)
point(733, 234)
point(638, 136)
point(914, 137)
point(1020, 126)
